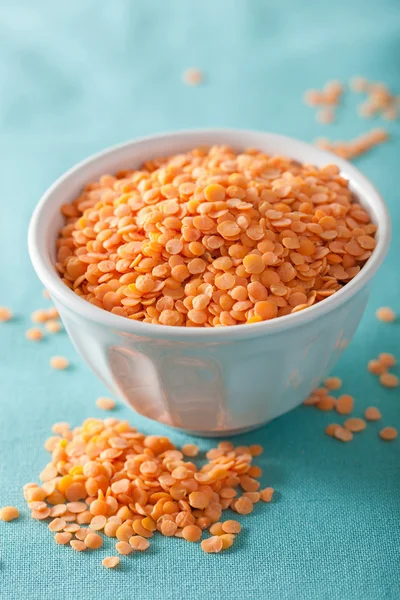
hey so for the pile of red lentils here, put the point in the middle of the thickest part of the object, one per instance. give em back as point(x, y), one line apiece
point(213, 238)
point(106, 477)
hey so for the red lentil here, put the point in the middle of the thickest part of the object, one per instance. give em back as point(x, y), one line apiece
point(34, 334)
point(63, 538)
point(5, 314)
point(212, 544)
point(376, 367)
point(344, 404)
point(386, 359)
point(192, 76)
point(9, 513)
point(333, 383)
point(59, 363)
point(388, 434)
point(355, 425)
point(105, 403)
point(266, 494)
point(214, 238)
point(139, 543)
point(389, 380)
point(372, 413)
point(110, 562)
point(342, 434)
point(330, 429)
point(231, 526)
point(93, 540)
point(386, 314)
point(326, 403)
point(52, 326)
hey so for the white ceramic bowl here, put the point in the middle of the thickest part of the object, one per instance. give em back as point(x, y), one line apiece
point(207, 381)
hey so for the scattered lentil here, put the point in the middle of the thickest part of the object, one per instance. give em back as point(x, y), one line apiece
point(9, 513)
point(5, 314)
point(57, 524)
point(342, 434)
point(34, 334)
point(372, 413)
point(63, 538)
point(326, 403)
point(376, 367)
point(105, 403)
point(39, 316)
point(330, 429)
point(123, 547)
point(354, 148)
point(212, 544)
point(386, 359)
point(385, 314)
point(355, 425)
point(110, 562)
point(388, 434)
point(231, 526)
point(52, 326)
point(77, 545)
point(389, 380)
point(190, 450)
point(139, 543)
point(214, 238)
point(333, 383)
point(192, 76)
point(344, 404)
point(266, 494)
point(59, 363)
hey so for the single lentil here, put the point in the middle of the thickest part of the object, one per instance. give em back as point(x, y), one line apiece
point(59, 363)
point(355, 425)
point(110, 562)
point(123, 548)
point(52, 326)
point(212, 544)
point(372, 413)
point(266, 494)
point(385, 314)
point(344, 404)
point(105, 403)
point(333, 383)
point(342, 434)
point(77, 545)
point(34, 334)
point(139, 543)
point(231, 526)
point(376, 367)
point(386, 359)
point(63, 538)
point(5, 314)
point(9, 513)
point(192, 76)
point(388, 434)
point(389, 380)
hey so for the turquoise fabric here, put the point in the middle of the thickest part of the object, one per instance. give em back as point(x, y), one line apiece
point(78, 76)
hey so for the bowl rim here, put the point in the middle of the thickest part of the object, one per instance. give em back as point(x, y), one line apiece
point(57, 289)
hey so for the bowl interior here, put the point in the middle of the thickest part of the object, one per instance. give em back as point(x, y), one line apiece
point(47, 219)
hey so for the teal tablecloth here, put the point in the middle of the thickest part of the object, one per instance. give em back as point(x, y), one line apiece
point(80, 75)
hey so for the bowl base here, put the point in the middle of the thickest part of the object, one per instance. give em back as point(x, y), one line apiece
point(222, 434)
